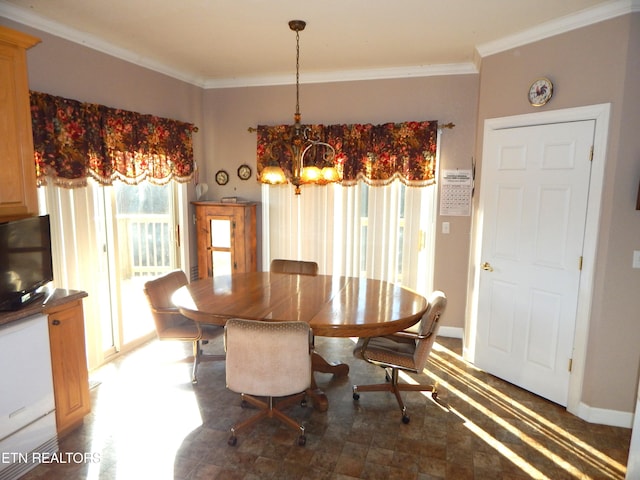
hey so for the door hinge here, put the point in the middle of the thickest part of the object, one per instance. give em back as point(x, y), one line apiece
point(570, 364)
point(580, 262)
point(591, 154)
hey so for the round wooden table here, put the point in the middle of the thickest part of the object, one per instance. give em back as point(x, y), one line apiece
point(333, 306)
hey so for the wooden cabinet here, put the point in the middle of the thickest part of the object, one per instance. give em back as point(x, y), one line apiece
point(17, 171)
point(69, 364)
point(226, 236)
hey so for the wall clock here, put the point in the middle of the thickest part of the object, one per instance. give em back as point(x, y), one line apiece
point(222, 177)
point(244, 172)
point(540, 92)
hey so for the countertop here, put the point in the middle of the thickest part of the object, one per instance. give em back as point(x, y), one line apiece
point(53, 298)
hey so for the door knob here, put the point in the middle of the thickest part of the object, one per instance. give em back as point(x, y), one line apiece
point(487, 266)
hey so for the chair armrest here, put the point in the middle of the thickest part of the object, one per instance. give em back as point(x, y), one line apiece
point(175, 313)
point(410, 335)
point(165, 310)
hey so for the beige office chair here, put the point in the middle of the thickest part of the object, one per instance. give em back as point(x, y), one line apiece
point(268, 359)
point(405, 350)
point(294, 266)
point(171, 324)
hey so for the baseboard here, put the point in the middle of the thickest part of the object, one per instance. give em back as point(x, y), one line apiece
point(601, 416)
point(451, 332)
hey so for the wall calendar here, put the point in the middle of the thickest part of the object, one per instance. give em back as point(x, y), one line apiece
point(456, 189)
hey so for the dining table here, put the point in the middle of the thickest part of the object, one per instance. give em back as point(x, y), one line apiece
point(332, 305)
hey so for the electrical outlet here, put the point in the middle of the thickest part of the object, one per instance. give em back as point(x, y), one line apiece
point(636, 259)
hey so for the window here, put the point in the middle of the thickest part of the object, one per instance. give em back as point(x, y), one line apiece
point(108, 241)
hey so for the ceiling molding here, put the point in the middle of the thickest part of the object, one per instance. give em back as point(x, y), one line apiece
point(54, 28)
point(584, 18)
point(347, 76)
point(90, 41)
point(587, 17)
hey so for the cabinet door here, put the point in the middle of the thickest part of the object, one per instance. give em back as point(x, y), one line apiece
point(220, 260)
point(69, 365)
point(18, 176)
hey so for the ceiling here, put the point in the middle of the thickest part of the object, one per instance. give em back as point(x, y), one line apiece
point(221, 43)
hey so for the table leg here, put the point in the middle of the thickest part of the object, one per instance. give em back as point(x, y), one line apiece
point(319, 364)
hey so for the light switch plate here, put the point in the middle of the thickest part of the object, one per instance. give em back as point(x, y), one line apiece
point(445, 227)
point(636, 259)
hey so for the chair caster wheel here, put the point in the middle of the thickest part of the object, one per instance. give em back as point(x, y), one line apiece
point(302, 440)
point(232, 441)
point(356, 396)
point(405, 419)
point(434, 395)
point(303, 402)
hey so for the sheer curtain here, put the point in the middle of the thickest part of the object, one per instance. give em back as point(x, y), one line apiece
point(382, 232)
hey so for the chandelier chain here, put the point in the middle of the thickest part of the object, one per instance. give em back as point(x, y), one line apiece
point(297, 72)
point(301, 144)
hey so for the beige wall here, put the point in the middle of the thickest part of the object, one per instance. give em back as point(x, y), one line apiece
point(230, 112)
point(593, 65)
point(67, 69)
point(597, 64)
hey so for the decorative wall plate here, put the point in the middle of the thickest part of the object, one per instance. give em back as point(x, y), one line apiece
point(222, 177)
point(244, 172)
point(540, 92)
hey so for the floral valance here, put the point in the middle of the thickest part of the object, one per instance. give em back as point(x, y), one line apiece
point(376, 154)
point(74, 140)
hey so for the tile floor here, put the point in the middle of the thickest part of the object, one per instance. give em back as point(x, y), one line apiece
point(149, 422)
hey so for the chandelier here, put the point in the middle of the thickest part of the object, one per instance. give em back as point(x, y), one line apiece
point(302, 144)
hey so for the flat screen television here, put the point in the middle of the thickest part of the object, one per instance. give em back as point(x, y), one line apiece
point(25, 261)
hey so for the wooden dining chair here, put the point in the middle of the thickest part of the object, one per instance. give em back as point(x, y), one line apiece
point(170, 324)
point(268, 359)
point(406, 350)
point(301, 267)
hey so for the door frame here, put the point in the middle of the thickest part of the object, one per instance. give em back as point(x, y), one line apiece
point(600, 113)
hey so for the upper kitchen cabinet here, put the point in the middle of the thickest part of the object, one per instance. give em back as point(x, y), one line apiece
point(17, 171)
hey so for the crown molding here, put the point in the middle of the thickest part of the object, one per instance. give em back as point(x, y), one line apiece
point(347, 75)
point(54, 28)
point(587, 17)
point(32, 20)
point(590, 16)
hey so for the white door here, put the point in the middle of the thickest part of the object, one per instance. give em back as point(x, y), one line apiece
point(535, 186)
